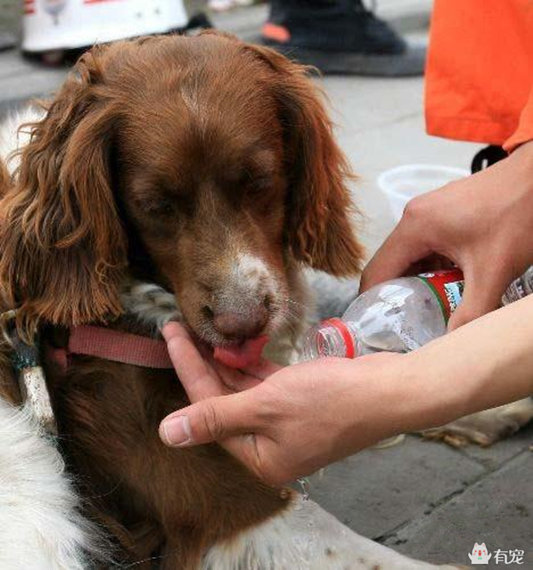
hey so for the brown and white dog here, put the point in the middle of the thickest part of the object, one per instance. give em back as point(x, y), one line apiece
point(208, 167)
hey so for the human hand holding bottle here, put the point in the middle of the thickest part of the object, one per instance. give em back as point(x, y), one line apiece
point(294, 420)
point(286, 422)
point(481, 223)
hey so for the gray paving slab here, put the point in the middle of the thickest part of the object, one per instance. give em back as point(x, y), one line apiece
point(362, 103)
point(497, 510)
point(501, 452)
point(379, 490)
point(378, 147)
point(10, 11)
point(21, 80)
point(12, 65)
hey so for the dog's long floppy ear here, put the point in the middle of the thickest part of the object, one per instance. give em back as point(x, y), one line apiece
point(4, 178)
point(319, 226)
point(62, 246)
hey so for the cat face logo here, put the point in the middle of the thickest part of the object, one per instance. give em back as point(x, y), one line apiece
point(480, 554)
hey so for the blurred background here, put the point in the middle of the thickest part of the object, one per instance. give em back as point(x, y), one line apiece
point(10, 11)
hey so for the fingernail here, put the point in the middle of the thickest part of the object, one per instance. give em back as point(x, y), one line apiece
point(177, 431)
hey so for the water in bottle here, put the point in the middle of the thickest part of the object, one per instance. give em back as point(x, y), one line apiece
point(396, 316)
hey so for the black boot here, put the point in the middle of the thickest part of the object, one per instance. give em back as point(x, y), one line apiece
point(340, 36)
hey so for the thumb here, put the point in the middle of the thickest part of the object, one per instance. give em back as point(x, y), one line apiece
point(484, 288)
point(213, 419)
point(404, 247)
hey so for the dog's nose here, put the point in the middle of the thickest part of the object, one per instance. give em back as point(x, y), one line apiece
point(239, 326)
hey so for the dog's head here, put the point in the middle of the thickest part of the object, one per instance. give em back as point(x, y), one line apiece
point(203, 163)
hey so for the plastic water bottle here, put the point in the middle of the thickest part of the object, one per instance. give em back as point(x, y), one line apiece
point(519, 288)
point(397, 316)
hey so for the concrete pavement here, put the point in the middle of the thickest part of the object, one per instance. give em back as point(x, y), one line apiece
point(422, 498)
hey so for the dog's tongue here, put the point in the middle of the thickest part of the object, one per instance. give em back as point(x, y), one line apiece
point(242, 355)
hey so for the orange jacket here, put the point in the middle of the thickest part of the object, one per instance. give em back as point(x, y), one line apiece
point(479, 76)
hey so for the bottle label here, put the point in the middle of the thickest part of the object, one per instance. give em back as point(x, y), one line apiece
point(519, 288)
point(447, 286)
point(514, 292)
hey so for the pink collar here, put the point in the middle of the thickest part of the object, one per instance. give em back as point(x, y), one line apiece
point(113, 345)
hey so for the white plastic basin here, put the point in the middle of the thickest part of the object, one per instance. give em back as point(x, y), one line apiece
point(403, 183)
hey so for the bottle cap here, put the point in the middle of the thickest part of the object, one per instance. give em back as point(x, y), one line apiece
point(340, 326)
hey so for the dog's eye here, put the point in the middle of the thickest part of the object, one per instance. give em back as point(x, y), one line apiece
point(160, 207)
point(256, 185)
point(261, 184)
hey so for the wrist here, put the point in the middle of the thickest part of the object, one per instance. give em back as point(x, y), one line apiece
point(383, 398)
point(483, 364)
point(434, 390)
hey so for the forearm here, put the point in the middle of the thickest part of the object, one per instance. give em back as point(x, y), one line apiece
point(310, 414)
point(486, 363)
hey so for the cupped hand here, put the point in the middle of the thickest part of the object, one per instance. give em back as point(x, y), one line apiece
point(481, 223)
point(283, 423)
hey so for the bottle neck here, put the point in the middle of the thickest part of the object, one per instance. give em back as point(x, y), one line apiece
point(343, 336)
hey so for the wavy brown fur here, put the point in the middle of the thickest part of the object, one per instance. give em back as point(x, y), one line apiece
point(322, 214)
point(169, 157)
point(62, 242)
